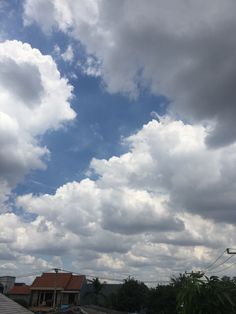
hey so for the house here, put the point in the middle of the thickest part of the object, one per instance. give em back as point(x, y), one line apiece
point(55, 289)
point(6, 283)
point(8, 306)
point(21, 293)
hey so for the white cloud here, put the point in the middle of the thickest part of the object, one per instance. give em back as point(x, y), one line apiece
point(56, 50)
point(68, 55)
point(157, 207)
point(33, 99)
point(91, 67)
point(183, 51)
point(119, 210)
point(172, 158)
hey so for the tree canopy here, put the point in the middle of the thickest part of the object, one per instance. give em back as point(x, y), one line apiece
point(193, 293)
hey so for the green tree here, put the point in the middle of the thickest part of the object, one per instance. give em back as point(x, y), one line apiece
point(162, 300)
point(96, 293)
point(199, 294)
point(132, 296)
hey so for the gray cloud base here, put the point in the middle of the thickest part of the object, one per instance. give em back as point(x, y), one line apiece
point(184, 51)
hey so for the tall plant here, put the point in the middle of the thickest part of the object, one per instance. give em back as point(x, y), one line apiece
point(200, 294)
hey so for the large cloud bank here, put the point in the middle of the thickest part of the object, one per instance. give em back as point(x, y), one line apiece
point(147, 208)
point(185, 51)
point(34, 99)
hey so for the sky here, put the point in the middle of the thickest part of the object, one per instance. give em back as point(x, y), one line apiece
point(117, 137)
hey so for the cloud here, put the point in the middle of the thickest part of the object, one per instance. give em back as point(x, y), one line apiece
point(119, 210)
point(43, 10)
point(91, 67)
point(183, 51)
point(23, 81)
point(129, 211)
point(68, 55)
point(171, 158)
point(33, 99)
point(158, 206)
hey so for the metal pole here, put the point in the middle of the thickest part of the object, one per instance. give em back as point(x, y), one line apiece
point(231, 251)
point(55, 289)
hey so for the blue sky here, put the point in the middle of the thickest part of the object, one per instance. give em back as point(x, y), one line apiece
point(117, 132)
point(102, 118)
point(101, 123)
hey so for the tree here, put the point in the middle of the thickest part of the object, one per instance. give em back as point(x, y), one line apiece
point(96, 291)
point(199, 294)
point(162, 300)
point(193, 293)
point(132, 296)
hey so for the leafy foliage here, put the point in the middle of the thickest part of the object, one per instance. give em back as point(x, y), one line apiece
point(200, 294)
point(192, 293)
point(95, 295)
point(162, 300)
point(97, 286)
point(132, 296)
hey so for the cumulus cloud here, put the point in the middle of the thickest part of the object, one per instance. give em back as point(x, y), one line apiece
point(123, 211)
point(171, 158)
point(33, 99)
point(158, 206)
point(14, 259)
point(183, 51)
point(23, 81)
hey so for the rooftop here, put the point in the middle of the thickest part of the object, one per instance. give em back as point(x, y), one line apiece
point(8, 306)
point(65, 281)
point(24, 289)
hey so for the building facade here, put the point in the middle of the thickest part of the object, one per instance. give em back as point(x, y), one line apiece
point(6, 283)
point(56, 289)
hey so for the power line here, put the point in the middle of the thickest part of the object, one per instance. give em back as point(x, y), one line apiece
point(221, 263)
point(232, 252)
point(89, 276)
point(114, 279)
point(32, 274)
point(210, 265)
point(93, 276)
point(222, 270)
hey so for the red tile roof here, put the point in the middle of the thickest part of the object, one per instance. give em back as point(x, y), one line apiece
point(50, 280)
point(65, 281)
point(75, 283)
point(20, 290)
